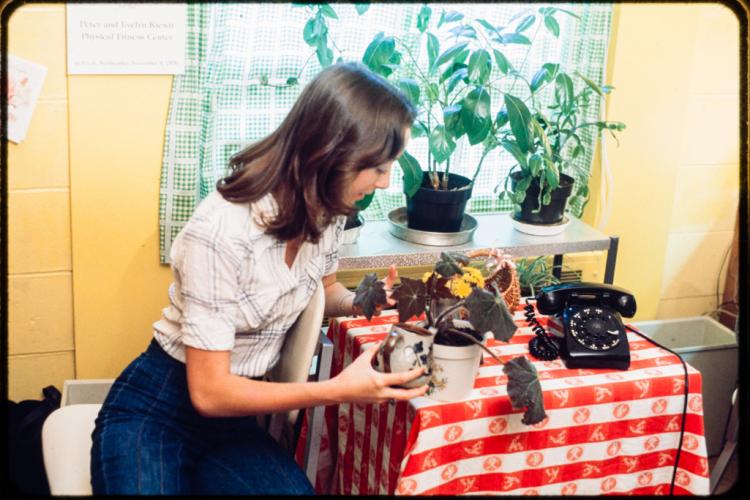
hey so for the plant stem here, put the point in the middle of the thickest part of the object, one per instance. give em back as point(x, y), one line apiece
point(449, 310)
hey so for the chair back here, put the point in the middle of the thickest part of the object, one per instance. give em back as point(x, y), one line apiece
point(295, 361)
point(66, 448)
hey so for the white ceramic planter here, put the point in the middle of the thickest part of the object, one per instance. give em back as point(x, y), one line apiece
point(454, 369)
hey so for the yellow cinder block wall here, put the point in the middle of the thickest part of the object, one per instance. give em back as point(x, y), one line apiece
point(85, 283)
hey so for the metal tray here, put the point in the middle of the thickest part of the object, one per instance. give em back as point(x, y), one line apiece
point(397, 227)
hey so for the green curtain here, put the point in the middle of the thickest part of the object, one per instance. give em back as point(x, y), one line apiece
point(234, 90)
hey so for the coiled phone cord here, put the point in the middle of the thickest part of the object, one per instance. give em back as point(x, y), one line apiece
point(542, 346)
point(684, 403)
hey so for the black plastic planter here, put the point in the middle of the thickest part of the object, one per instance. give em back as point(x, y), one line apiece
point(438, 211)
point(549, 214)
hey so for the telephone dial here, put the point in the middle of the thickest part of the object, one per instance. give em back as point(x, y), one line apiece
point(594, 335)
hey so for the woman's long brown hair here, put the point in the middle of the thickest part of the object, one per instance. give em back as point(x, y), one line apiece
point(346, 119)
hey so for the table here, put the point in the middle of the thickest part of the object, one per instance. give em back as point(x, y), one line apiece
point(607, 431)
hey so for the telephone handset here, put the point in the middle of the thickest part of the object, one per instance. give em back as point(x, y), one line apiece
point(595, 336)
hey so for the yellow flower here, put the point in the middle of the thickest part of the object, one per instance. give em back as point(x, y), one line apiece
point(459, 287)
point(473, 276)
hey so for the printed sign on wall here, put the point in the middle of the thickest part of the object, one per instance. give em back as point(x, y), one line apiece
point(25, 80)
point(126, 38)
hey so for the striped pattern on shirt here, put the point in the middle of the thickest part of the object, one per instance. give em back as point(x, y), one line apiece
point(232, 290)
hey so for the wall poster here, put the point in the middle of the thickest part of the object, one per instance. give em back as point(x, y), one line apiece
point(122, 38)
point(25, 80)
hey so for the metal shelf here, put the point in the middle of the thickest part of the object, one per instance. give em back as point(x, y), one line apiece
point(377, 248)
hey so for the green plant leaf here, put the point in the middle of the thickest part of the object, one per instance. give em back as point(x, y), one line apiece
point(379, 52)
point(512, 147)
point(489, 313)
point(361, 7)
point(520, 122)
point(412, 173)
point(452, 120)
point(502, 62)
point(527, 22)
point(369, 294)
point(591, 84)
point(411, 298)
point(475, 114)
point(292, 80)
point(465, 31)
point(441, 144)
point(479, 66)
point(433, 49)
point(308, 33)
point(450, 53)
point(450, 263)
point(418, 129)
point(545, 74)
point(488, 26)
point(423, 18)
point(564, 85)
point(502, 118)
point(459, 75)
point(452, 16)
point(327, 11)
point(515, 38)
point(325, 56)
point(524, 389)
point(552, 25)
point(410, 87)
point(552, 176)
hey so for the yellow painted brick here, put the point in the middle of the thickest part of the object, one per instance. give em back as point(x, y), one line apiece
point(29, 374)
point(711, 130)
point(706, 199)
point(41, 160)
point(37, 34)
point(40, 313)
point(39, 231)
point(692, 263)
point(685, 307)
point(716, 67)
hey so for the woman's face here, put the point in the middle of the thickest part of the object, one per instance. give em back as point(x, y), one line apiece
point(369, 179)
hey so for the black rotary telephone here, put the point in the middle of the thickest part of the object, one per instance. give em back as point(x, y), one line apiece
point(594, 334)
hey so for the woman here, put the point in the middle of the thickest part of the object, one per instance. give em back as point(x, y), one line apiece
point(181, 416)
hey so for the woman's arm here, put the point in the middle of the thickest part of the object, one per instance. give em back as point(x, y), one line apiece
point(339, 300)
point(215, 392)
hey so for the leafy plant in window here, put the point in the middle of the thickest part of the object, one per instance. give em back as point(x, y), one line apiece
point(481, 306)
point(534, 274)
point(452, 88)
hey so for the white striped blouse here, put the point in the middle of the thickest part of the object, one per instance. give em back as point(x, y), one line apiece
point(232, 289)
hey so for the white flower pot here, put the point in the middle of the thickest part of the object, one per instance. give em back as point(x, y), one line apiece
point(453, 371)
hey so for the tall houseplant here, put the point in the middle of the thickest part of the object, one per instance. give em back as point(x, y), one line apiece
point(451, 90)
point(544, 138)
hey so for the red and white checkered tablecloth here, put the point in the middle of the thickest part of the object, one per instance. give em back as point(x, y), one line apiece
point(607, 431)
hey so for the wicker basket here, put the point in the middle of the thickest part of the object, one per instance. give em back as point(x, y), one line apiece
point(504, 276)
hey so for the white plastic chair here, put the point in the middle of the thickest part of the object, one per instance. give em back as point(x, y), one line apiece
point(66, 433)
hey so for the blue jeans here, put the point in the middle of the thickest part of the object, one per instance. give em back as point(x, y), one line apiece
point(149, 439)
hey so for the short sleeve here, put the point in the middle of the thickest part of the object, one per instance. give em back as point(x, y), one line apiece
point(206, 270)
point(332, 252)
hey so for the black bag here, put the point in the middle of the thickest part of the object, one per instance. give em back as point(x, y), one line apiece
point(25, 462)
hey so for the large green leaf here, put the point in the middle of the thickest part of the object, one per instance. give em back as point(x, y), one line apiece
point(511, 147)
point(475, 114)
point(524, 389)
point(452, 120)
point(325, 55)
point(412, 173)
point(441, 144)
point(410, 297)
point(545, 74)
point(328, 11)
point(489, 313)
point(423, 18)
point(370, 293)
point(492, 30)
point(552, 25)
point(564, 89)
point(379, 52)
point(515, 38)
point(527, 22)
point(479, 66)
point(410, 87)
point(502, 61)
point(459, 75)
point(465, 31)
point(591, 84)
point(433, 49)
point(452, 16)
point(450, 53)
point(520, 122)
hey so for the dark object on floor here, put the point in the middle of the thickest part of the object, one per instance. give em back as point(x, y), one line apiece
point(25, 420)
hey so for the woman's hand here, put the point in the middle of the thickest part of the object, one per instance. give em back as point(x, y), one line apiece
point(388, 282)
point(361, 383)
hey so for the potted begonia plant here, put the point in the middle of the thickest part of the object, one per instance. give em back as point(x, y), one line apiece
point(457, 306)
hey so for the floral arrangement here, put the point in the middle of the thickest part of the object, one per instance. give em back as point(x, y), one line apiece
point(458, 290)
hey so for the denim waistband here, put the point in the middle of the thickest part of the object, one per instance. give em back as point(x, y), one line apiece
point(155, 348)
